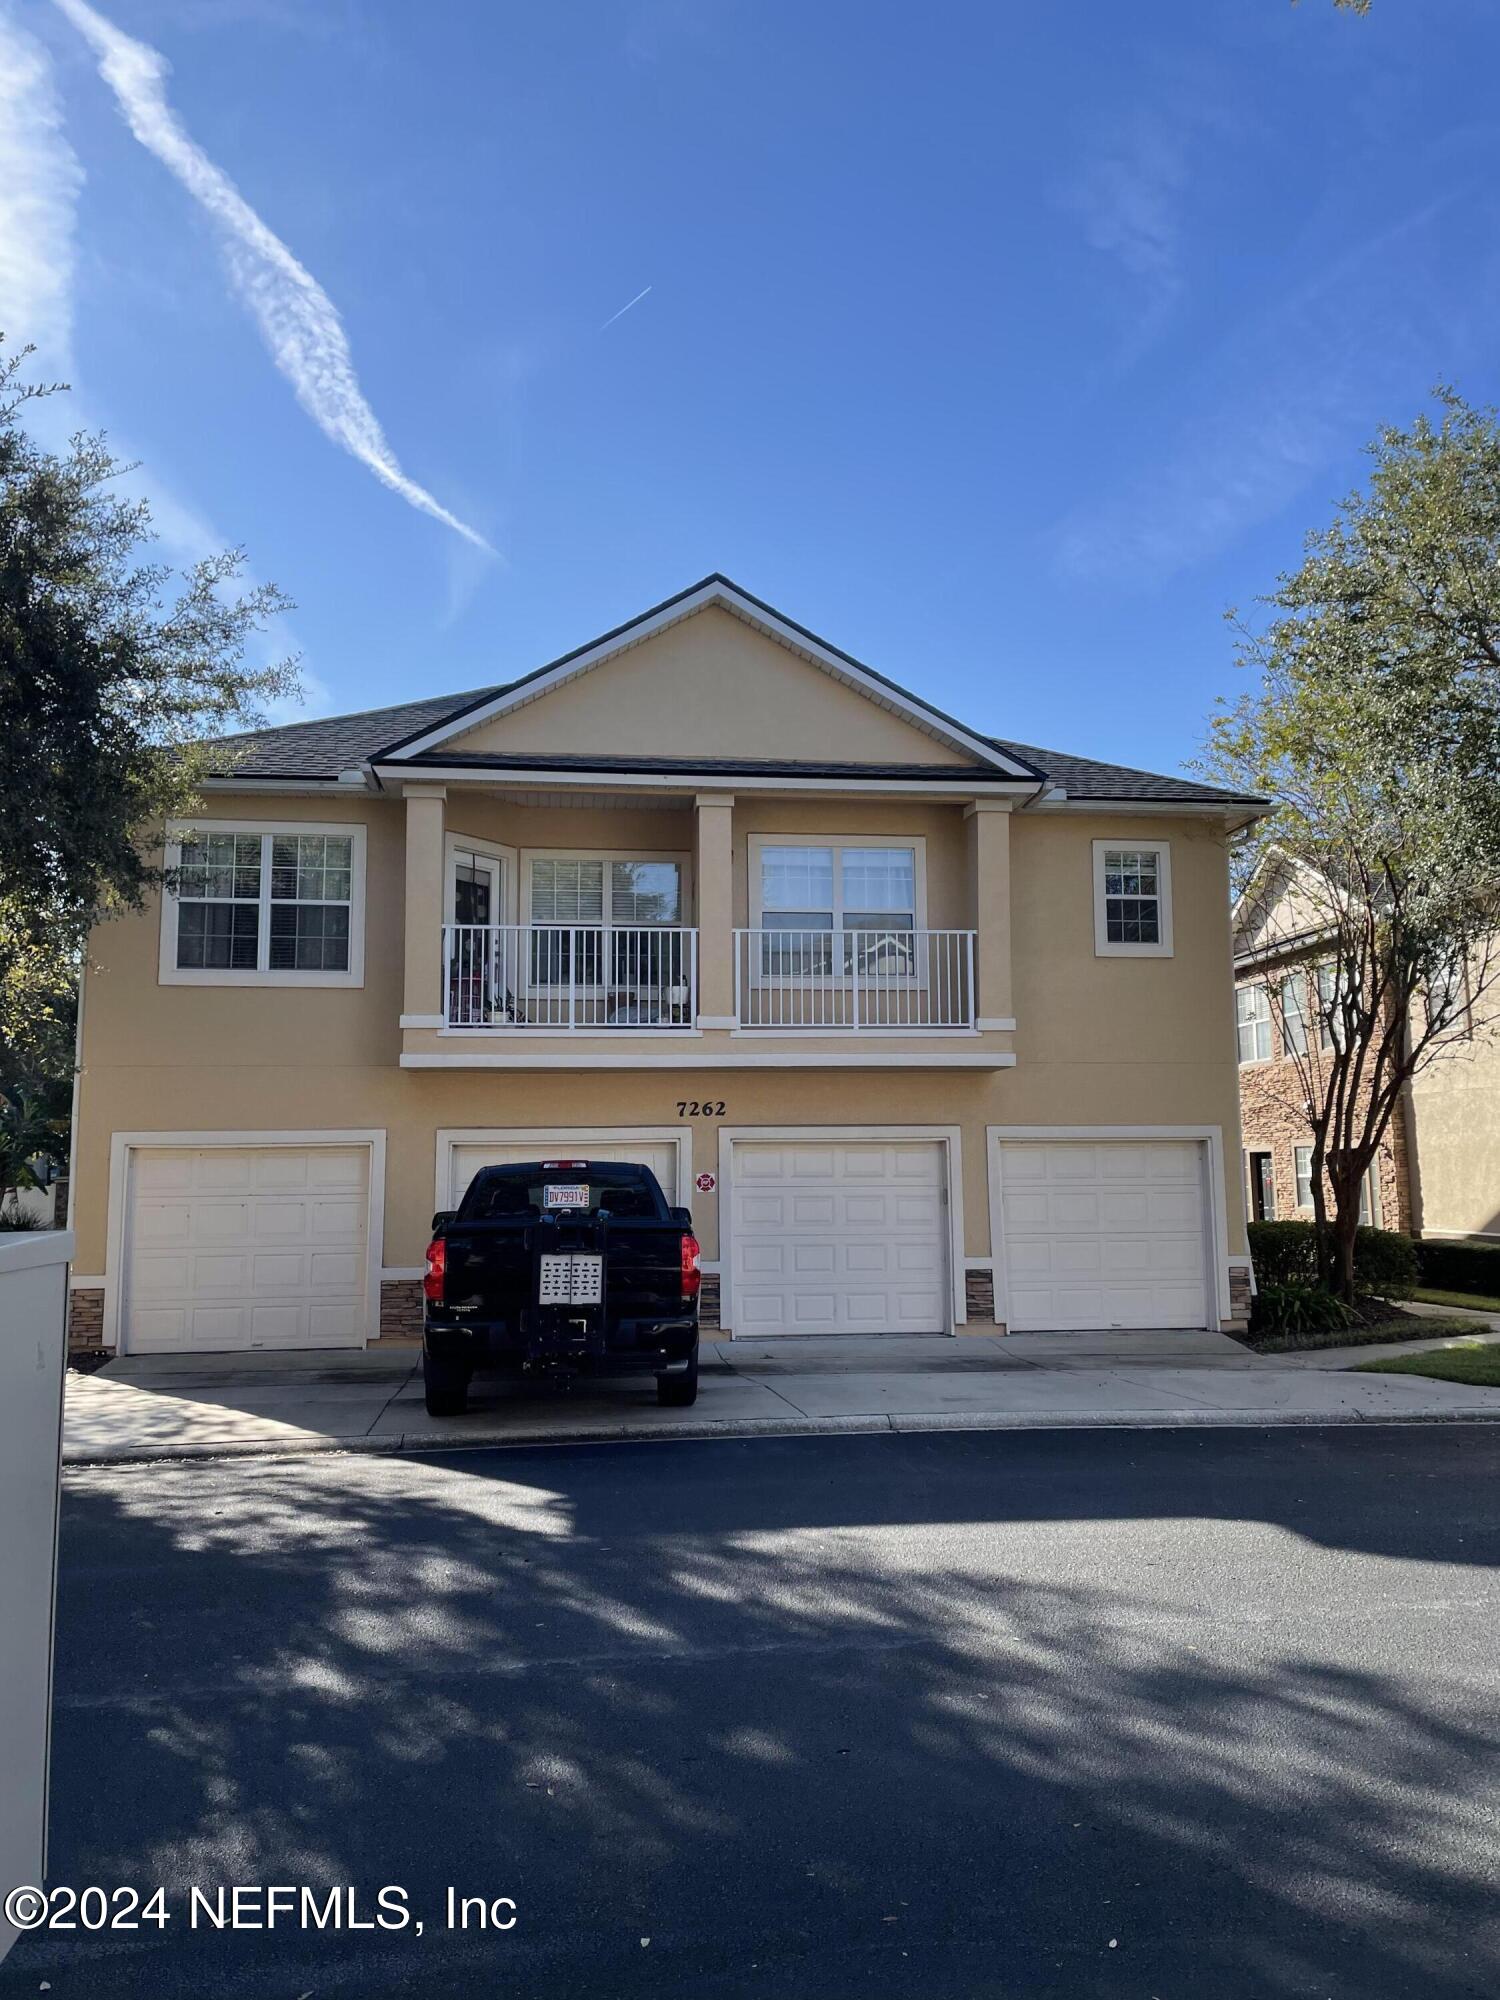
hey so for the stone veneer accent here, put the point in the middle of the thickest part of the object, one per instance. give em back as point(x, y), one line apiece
point(1239, 1299)
point(86, 1322)
point(401, 1309)
point(708, 1303)
point(979, 1297)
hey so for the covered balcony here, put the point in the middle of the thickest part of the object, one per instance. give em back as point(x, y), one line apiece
point(579, 978)
point(862, 981)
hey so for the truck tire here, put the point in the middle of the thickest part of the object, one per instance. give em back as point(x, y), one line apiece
point(445, 1387)
point(680, 1391)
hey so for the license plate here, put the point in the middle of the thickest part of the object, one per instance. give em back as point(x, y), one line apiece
point(565, 1194)
point(571, 1281)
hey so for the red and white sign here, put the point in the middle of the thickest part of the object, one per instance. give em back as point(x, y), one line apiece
point(706, 1183)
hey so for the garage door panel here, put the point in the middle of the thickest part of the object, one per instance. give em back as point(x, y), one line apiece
point(812, 1211)
point(863, 1230)
point(1101, 1234)
point(236, 1247)
point(813, 1259)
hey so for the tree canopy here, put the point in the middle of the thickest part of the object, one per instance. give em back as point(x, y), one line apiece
point(1374, 724)
point(114, 672)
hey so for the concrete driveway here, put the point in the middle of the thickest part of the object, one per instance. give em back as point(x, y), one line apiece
point(150, 1406)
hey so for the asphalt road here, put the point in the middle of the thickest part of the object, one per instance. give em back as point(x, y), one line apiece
point(1154, 1713)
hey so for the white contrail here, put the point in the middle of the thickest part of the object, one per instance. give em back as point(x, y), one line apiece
point(613, 316)
point(296, 317)
point(39, 182)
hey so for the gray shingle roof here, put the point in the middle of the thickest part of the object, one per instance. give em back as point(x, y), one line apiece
point(334, 743)
point(1084, 778)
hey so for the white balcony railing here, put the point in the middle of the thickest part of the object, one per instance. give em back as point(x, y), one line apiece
point(584, 978)
point(863, 981)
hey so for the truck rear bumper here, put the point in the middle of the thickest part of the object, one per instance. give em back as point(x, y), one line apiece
point(634, 1347)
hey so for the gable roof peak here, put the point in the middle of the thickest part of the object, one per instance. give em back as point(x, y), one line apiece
point(721, 591)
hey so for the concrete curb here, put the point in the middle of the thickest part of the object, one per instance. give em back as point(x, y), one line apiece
point(419, 1444)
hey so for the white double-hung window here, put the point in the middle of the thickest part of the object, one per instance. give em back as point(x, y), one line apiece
point(1132, 899)
point(1252, 1006)
point(842, 908)
point(575, 901)
point(1294, 1016)
point(250, 905)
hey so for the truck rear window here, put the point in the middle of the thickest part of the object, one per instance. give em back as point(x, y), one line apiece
point(498, 1195)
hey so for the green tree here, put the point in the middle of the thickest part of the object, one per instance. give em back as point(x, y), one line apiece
point(114, 672)
point(1375, 727)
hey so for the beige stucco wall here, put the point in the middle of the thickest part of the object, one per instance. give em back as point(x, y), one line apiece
point(1455, 1124)
point(710, 686)
point(1099, 1041)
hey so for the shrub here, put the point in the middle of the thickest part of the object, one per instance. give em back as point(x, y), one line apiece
point(1385, 1262)
point(1284, 1253)
point(1460, 1267)
point(1297, 1310)
point(18, 1219)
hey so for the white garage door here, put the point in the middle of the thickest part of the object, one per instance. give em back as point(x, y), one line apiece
point(833, 1238)
point(1100, 1235)
point(660, 1155)
point(245, 1246)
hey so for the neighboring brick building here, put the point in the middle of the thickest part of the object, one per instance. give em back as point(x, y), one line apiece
point(1438, 1169)
point(1274, 1125)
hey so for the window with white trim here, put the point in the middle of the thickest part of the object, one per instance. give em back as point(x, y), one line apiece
point(250, 904)
point(832, 908)
point(1132, 899)
point(1252, 1006)
point(575, 900)
point(1294, 1016)
point(1330, 1015)
point(1302, 1166)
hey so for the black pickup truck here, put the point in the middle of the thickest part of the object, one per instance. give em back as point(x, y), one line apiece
point(561, 1268)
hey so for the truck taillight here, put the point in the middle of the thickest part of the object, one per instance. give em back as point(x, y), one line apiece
point(437, 1270)
point(692, 1275)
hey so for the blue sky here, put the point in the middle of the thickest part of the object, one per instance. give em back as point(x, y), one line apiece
point(1004, 345)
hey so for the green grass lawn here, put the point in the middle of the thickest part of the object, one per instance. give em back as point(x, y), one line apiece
point(1465, 1301)
point(1396, 1325)
point(1475, 1362)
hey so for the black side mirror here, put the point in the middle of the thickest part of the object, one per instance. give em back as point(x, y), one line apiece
point(443, 1217)
point(683, 1217)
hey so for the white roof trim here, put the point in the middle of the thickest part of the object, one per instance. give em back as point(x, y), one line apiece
point(674, 782)
point(726, 598)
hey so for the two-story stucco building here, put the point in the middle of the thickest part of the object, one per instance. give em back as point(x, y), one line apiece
point(930, 1029)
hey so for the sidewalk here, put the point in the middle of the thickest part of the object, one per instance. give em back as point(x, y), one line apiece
point(164, 1406)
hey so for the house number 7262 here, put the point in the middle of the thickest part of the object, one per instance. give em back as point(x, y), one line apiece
point(689, 1107)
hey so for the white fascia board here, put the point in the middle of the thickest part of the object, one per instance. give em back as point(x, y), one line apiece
point(1153, 808)
point(757, 615)
point(698, 781)
point(249, 788)
point(767, 1055)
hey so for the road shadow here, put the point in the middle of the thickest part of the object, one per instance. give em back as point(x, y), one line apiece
point(827, 1725)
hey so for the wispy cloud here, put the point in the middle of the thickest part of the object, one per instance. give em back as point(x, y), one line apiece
point(1128, 200)
point(1290, 394)
point(625, 308)
point(297, 319)
point(40, 179)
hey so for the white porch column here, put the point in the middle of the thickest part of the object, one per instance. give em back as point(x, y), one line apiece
point(989, 908)
point(714, 888)
point(423, 1004)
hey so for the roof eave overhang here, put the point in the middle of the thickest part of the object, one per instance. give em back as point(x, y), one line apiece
point(714, 591)
point(969, 785)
